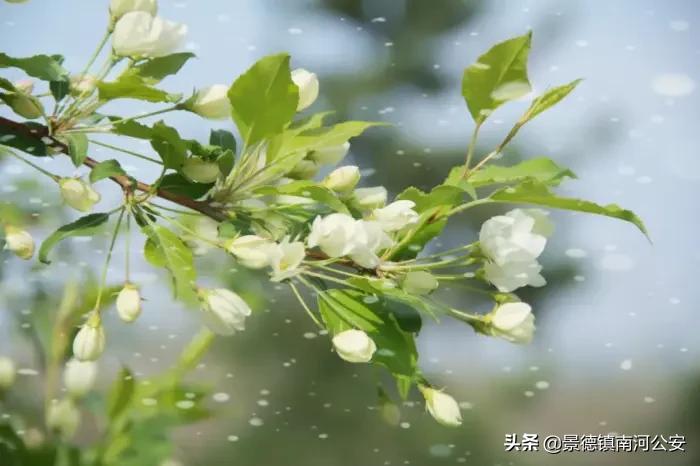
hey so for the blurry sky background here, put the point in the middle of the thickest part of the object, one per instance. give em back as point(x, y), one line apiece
point(617, 347)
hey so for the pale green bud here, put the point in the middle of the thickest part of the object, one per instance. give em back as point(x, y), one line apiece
point(89, 342)
point(78, 194)
point(19, 242)
point(200, 171)
point(79, 377)
point(419, 282)
point(63, 417)
point(129, 303)
point(442, 407)
point(330, 155)
point(342, 179)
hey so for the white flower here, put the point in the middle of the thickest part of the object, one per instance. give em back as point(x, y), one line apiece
point(333, 233)
point(342, 179)
point(396, 215)
point(330, 155)
point(81, 84)
point(516, 236)
point(129, 303)
point(370, 198)
point(307, 83)
point(63, 417)
point(139, 34)
point(19, 242)
point(442, 407)
point(223, 311)
point(7, 372)
point(200, 171)
point(212, 102)
point(118, 8)
point(286, 259)
point(251, 251)
point(513, 322)
point(79, 377)
point(89, 343)
point(514, 275)
point(78, 194)
point(354, 346)
point(419, 282)
point(368, 240)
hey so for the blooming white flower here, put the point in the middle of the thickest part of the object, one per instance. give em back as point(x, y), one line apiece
point(212, 102)
point(78, 194)
point(442, 407)
point(368, 240)
point(396, 215)
point(307, 83)
point(129, 303)
point(7, 372)
point(334, 234)
point(514, 237)
point(354, 346)
point(330, 155)
point(514, 275)
point(223, 311)
point(513, 322)
point(251, 251)
point(286, 259)
point(118, 8)
point(370, 198)
point(139, 34)
point(342, 179)
point(19, 242)
point(89, 342)
point(200, 171)
point(63, 417)
point(79, 377)
point(419, 282)
point(82, 84)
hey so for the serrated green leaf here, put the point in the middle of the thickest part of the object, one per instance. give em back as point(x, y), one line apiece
point(121, 393)
point(330, 136)
point(177, 257)
point(549, 98)
point(178, 184)
point(84, 226)
point(106, 169)
point(223, 138)
point(132, 128)
point(44, 67)
point(77, 147)
point(542, 169)
point(498, 76)
point(156, 69)
point(264, 99)
point(134, 88)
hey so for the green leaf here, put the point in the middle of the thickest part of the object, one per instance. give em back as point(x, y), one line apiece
point(178, 184)
point(10, 136)
point(550, 97)
point(307, 189)
point(59, 89)
point(226, 161)
point(106, 169)
point(77, 147)
point(441, 196)
point(264, 99)
point(541, 169)
point(84, 226)
point(177, 258)
point(133, 88)
point(121, 394)
point(153, 255)
point(155, 70)
point(44, 67)
point(498, 76)
point(170, 146)
point(133, 129)
point(533, 192)
point(222, 138)
point(330, 136)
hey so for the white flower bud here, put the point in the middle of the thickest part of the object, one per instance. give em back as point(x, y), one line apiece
point(129, 303)
point(223, 311)
point(307, 83)
point(396, 215)
point(82, 84)
point(330, 155)
point(200, 171)
point(342, 179)
point(25, 86)
point(354, 346)
point(139, 34)
point(118, 8)
point(19, 242)
point(63, 417)
point(419, 282)
point(78, 194)
point(79, 377)
point(251, 251)
point(442, 407)
point(334, 234)
point(212, 102)
point(513, 322)
point(7, 372)
point(286, 258)
point(370, 198)
point(89, 342)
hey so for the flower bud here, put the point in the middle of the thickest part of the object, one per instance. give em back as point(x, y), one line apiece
point(82, 84)
point(129, 303)
point(513, 322)
point(24, 105)
point(370, 198)
point(211, 102)
point(200, 171)
point(342, 179)
point(7, 372)
point(63, 417)
point(89, 343)
point(304, 170)
point(79, 377)
point(78, 194)
point(25, 86)
point(19, 242)
point(330, 155)
point(251, 251)
point(442, 407)
point(118, 8)
point(223, 311)
point(419, 282)
point(307, 83)
point(354, 346)
point(396, 215)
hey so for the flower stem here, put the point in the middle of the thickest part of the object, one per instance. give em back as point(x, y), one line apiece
point(135, 154)
point(103, 279)
point(304, 305)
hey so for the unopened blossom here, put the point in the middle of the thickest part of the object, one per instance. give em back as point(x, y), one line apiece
point(19, 242)
point(118, 8)
point(212, 102)
point(78, 194)
point(63, 417)
point(354, 346)
point(79, 377)
point(129, 303)
point(304, 170)
point(223, 311)
point(200, 170)
point(342, 179)
point(368, 240)
point(514, 275)
point(251, 251)
point(89, 342)
point(286, 259)
point(513, 322)
point(396, 215)
point(419, 282)
point(334, 234)
point(330, 155)
point(517, 236)
point(370, 198)
point(442, 407)
point(307, 83)
point(7, 372)
point(138, 34)
point(82, 84)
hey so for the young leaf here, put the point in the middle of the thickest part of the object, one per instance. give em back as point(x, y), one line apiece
point(222, 138)
point(264, 99)
point(44, 67)
point(77, 147)
point(177, 257)
point(329, 136)
point(134, 88)
point(542, 169)
point(550, 97)
point(106, 169)
point(156, 69)
point(133, 129)
point(307, 189)
point(84, 226)
point(178, 184)
point(498, 76)
point(170, 146)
